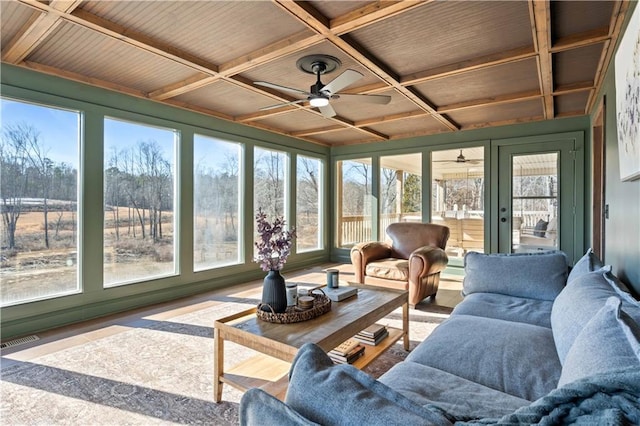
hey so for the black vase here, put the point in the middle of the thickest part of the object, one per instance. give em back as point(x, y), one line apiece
point(274, 292)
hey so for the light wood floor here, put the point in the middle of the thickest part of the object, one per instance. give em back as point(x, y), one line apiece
point(58, 339)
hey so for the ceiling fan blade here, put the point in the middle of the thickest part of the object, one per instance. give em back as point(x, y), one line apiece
point(281, 88)
point(327, 111)
point(372, 99)
point(299, 101)
point(343, 80)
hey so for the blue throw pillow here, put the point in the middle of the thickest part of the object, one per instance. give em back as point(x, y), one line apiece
point(610, 341)
point(539, 276)
point(581, 299)
point(587, 263)
point(331, 394)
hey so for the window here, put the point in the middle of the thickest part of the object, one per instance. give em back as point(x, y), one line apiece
point(457, 198)
point(139, 222)
point(217, 223)
point(310, 178)
point(270, 182)
point(354, 202)
point(39, 161)
point(400, 190)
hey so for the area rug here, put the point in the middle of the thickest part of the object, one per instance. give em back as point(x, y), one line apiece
point(149, 371)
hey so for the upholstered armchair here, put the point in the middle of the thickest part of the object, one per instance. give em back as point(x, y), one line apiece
point(413, 259)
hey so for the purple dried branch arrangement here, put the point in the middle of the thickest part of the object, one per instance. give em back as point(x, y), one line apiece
point(274, 242)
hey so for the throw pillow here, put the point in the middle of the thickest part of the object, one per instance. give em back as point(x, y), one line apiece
point(540, 229)
point(587, 263)
point(610, 341)
point(331, 394)
point(539, 276)
point(581, 299)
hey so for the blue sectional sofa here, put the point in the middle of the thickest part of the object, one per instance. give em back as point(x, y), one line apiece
point(530, 343)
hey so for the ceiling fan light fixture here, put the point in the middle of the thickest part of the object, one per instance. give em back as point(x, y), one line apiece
point(319, 102)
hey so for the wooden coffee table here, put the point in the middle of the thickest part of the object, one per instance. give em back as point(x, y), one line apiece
point(277, 344)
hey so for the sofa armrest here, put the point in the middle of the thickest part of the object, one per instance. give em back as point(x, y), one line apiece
point(364, 253)
point(427, 260)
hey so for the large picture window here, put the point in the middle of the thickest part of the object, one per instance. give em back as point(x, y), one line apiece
point(309, 183)
point(217, 222)
point(39, 162)
point(354, 201)
point(400, 190)
point(269, 183)
point(139, 196)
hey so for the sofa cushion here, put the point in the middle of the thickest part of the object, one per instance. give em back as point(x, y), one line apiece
point(389, 268)
point(536, 276)
point(580, 301)
point(494, 353)
point(457, 396)
point(331, 394)
point(609, 342)
point(587, 263)
point(508, 308)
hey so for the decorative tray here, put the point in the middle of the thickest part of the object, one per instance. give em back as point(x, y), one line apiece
point(321, 305)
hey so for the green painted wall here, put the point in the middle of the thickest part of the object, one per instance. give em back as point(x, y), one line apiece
point(622, 229)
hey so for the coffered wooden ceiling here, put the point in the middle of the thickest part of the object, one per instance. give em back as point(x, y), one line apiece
point(448, 65)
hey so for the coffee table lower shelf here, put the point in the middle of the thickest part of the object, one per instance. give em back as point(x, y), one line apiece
point(271, 374)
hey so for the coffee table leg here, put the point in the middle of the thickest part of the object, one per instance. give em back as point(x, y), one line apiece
point(218, 364)
point(405, 325)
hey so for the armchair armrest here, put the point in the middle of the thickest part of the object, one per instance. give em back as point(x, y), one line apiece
point(427, 260)
point(363, 253)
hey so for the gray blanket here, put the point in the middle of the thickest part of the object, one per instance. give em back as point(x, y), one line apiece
point(607, 399)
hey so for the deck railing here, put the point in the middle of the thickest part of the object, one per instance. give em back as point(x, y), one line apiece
point(356, 229)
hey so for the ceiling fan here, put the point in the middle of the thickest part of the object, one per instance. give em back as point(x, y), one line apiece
point(320, 94)
point(460, 159)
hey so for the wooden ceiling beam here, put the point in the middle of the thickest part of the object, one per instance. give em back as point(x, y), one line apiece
point(487, 61)
point(580, 86)
point(491, 101)
point(140, 41)
point(620, 10)
point(276, 50)
point(392, 117)
point(317, 131)
point(540, 15)
point(311, 17)
point(35, 31)
point(84, 79)
point(574, 41)
point(192, 83)
point(371, 13)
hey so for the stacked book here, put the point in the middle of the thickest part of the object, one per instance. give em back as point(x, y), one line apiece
point(347, 352)
point(372, 335)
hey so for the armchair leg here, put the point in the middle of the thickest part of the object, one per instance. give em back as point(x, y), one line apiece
point(427, 287)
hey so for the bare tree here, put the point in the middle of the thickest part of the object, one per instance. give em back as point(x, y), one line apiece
point(269, 182)
point(14, 160)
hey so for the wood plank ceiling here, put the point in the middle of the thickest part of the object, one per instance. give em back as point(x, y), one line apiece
point(447, 65)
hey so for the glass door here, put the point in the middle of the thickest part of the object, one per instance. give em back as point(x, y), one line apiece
point(537, 199)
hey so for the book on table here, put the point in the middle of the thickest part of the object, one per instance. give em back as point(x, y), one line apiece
point(373, 330)
point(372, 335)
point(348, 358)
point(347, 352)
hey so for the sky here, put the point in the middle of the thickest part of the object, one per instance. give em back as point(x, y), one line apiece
point(59, 129)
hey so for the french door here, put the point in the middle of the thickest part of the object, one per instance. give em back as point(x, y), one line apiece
point(540, 196)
